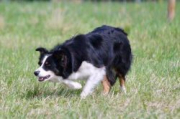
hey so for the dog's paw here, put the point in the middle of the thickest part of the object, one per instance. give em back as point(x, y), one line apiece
point(123, 89)
point(76, 85)
point(105, 93)
point(83, 95)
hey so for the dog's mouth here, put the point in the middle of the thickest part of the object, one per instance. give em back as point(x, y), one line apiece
point(43, 78)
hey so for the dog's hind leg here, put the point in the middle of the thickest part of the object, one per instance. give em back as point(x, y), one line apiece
point(106, 85)
point(122, 80)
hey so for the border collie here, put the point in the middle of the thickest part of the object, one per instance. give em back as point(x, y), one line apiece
point(102, 55)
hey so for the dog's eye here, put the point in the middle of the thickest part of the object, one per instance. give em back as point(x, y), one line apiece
point(47, 64)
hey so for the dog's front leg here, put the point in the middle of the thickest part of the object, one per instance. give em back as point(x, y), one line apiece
point(72, 84)
point(91, 83)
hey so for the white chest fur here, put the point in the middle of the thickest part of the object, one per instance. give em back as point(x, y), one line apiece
point(86, 69)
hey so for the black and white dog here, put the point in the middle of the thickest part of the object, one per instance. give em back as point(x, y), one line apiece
point(101, 55)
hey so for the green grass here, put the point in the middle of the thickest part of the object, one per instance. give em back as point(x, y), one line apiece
point(153, 84)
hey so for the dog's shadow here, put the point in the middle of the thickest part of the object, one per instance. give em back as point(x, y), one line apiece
point(50, 91)
point(38, 92)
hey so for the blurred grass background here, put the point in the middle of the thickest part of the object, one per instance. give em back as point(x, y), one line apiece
point(153, 84)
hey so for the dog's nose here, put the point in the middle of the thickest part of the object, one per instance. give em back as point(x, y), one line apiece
point(36, 73)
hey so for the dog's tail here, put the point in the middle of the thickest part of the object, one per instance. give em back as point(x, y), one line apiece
point(111, 76)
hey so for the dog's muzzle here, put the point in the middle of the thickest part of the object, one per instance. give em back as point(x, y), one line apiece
point(36, 73)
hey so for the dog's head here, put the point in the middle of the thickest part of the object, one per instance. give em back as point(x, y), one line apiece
point(52, 64)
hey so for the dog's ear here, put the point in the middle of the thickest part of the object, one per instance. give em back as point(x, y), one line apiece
point(61, 57)
point(42, 50)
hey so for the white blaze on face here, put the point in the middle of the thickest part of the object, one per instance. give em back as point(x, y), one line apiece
point(43, 74)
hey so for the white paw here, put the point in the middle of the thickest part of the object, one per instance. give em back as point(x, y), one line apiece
point(76, 85)
point(123, 89)
point(105, 93)
point(83, 95)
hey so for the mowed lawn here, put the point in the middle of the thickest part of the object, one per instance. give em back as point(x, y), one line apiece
point(153, 84)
